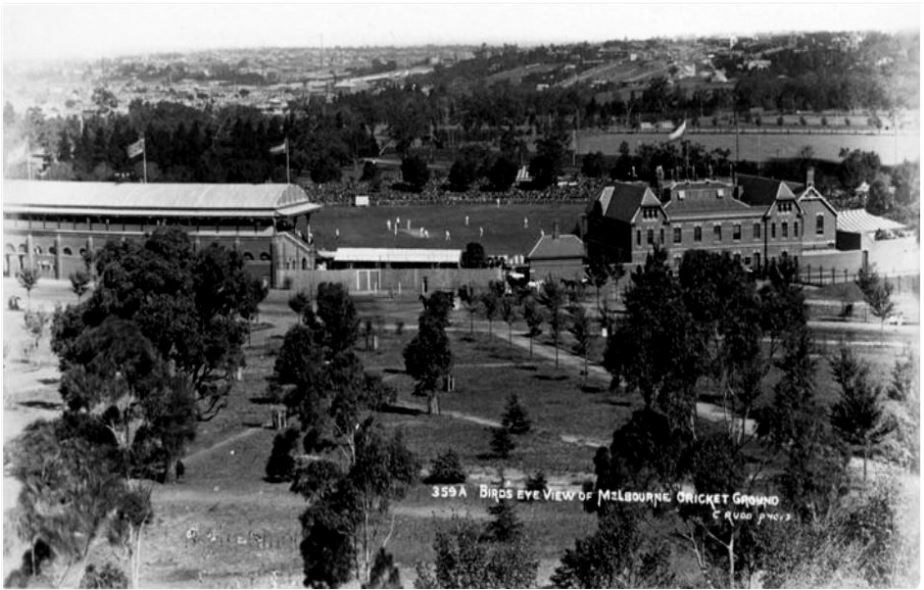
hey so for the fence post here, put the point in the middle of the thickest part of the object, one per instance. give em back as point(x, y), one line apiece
point(833, 280)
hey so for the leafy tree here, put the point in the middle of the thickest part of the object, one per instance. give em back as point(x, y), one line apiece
point(473, 256)
point(80, 283)
point(467, 557)
point(501, 442)
point(617, 555)
point(28, 279)
point(877, 294)
point(655, 347)
point(532, 313)
point(337, 315)
point(439, 305)
point(281, 465)
point(340, 528)
point(462, 174)
point(414, 171)
point(300, 303)
point(545, 167)
point(446, 468)
point(580, 329)
point(502, 174)
point(515, 418)
point(506, 527)
point(472, 302)
point(600, 270)
point(552, 297)
point(490, 303)
point(880, 199)
point(428, 358)
point(537, 482)
point(508, 313)
point(193, 307)
point(69, 464)
point(857, 416)
point(593, 165)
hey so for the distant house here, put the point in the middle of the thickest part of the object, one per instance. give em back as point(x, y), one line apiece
point(557, 255)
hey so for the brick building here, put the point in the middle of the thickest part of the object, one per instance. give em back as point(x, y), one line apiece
point(628, 219)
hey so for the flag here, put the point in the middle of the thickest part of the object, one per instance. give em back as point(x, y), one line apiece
point(135, 149)
point(281, 148)
point(678, 132)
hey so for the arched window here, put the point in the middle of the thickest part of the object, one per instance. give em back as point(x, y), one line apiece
point(304, 264)
point(10, 248)
point(24, 249)
point(248, 257)
point(67, 251)
point(264, 256)
point(38, 250)
point(52, 250)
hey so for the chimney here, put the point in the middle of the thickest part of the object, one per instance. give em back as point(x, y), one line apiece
point(659, 174)
point(555, 231)
point(810, 177)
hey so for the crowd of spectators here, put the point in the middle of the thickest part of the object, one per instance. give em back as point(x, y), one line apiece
point(437, 193)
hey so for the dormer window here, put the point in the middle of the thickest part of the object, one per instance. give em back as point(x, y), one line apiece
point(720, 192)
point(785, 207)
point(650, 213)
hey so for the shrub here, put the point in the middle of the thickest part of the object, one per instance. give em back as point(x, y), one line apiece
point(446, 468)
point(537, 482)
point(515, 418)
point(399, 327)
point(108, 577)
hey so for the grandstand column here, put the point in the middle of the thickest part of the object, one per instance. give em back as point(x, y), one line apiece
point(30, 251)
point(57, 256)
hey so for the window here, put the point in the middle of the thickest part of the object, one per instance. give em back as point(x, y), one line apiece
point(697, 234)
point(650, 213)
point(717, 232)
point(784, 229)
point(756, 231)
point(651, 236)
point(820, 223)
point(736, 234)
point(67, 251)
point(638, 237)
point(677, 235)
point(773, 230)
point(785, 207)
point(681, 194)
point(661, 236)
point(795, 229)
point(756, 259)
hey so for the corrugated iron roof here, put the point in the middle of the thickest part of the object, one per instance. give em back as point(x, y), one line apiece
point(564, 246)
point(401, 255)
point(861, 221)
point(156, 198)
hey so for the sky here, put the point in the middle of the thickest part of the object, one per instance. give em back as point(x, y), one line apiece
point(54, 31)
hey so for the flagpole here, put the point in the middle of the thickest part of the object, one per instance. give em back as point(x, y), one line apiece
point(288, 178)
point(144, 160)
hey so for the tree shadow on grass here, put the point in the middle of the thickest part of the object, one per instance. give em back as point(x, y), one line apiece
point(400, 410)
point(49, 380)
point(263, 400)
point(527, 367)
point(593, 388)
point(550, 377)
point(393, 371)
point(42, 405)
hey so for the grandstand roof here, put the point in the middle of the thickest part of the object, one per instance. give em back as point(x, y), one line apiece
point(160, 199)
point(859, 221)
point(398, 255)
